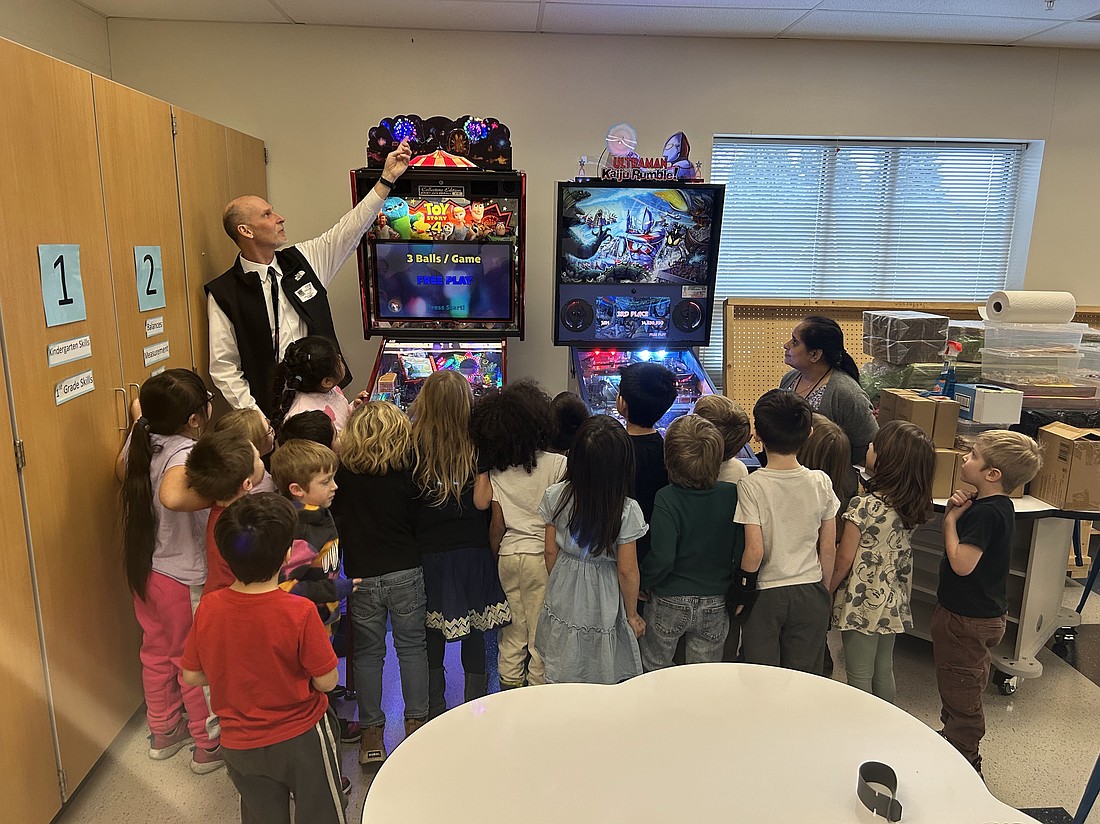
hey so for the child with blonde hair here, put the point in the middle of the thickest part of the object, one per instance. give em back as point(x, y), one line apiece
point(251, 423)
point(734, 427)
point(872, 578)
point(971, 599)
point(464, 596)
point(375, 514)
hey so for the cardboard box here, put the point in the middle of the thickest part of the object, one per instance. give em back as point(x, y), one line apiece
point(902, 337)
point(943, 479)
point(939, 417)
point(983, 403)
point(1070, 477)
point(947, 476)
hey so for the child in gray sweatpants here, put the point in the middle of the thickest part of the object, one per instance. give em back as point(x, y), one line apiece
point(788, 512)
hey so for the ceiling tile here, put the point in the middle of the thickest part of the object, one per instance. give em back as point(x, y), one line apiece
point(447, 15)
point(1035, 9)
point(1069, 36)
point(237, 11)
point(841, 25)
point(586, 18)
point(731, 5)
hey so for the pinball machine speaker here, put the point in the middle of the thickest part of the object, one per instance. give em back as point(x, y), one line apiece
point(577, 315)
point(687, 316)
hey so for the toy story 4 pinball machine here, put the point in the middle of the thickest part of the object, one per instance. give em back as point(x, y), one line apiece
point(442, 269)
point(636, 263)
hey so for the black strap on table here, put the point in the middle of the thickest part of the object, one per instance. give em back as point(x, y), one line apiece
point(875, 772)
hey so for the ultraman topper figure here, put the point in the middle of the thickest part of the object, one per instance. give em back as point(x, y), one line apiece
point(440, 142)
point(622, 162)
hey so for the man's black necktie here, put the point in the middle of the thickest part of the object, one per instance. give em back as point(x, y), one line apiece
point(273, 283)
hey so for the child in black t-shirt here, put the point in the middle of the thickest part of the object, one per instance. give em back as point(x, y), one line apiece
point(646, 391)
point(969, 616)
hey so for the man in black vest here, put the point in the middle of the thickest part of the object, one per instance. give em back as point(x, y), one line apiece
point(272, 297)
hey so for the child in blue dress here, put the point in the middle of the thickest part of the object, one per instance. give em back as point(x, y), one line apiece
point(589, 625)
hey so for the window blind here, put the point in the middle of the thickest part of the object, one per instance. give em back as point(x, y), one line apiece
point(863, 219)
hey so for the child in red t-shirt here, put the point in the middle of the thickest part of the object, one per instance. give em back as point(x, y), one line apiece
point(268, 661)
point(222, 466)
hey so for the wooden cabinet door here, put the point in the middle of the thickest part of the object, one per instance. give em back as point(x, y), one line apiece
point(50, 193)
point(143, 215)
point(27, 757)
point(247, 164)
point(213, 165)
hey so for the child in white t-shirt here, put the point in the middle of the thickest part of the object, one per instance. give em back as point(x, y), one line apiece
point(789, 515)
point(512, 431)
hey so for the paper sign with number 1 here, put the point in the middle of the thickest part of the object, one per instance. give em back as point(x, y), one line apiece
point(62, 289)
point(150, 278)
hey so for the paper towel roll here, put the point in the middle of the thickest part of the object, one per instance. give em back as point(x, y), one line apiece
point(1030, 307)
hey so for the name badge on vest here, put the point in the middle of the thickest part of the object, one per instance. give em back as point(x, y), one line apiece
point(306, 292)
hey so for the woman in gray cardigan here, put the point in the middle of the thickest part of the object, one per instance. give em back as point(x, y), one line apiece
point(824, 374)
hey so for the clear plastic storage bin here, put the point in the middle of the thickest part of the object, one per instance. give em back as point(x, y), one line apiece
point(1090, 358)
point(1034, 338)
point(1017, 366)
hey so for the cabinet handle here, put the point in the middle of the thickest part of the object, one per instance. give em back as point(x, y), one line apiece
point(125, 409)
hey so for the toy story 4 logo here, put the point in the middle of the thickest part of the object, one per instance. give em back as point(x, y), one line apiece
point(622, 162)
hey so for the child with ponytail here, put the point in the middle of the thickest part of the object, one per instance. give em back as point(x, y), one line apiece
point(308, 378)
point(164, 553)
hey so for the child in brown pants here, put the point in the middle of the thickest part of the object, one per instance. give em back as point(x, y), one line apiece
point(969, 617)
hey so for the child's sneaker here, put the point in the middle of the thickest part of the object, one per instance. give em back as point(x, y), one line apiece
point(372, 749)
point(350, 732)
point(205, 761)
point(165, 745)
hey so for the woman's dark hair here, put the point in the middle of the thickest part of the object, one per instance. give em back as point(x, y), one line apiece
point(599, 477)
point(819, 332)
point(508, 431)
point(168, 401)
point(567, 413)
point(905, 460)
point(307, 363)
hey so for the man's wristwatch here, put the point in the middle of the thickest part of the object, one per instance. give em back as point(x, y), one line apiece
point(387, 183)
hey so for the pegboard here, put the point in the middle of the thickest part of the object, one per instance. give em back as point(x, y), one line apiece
point(755, 330)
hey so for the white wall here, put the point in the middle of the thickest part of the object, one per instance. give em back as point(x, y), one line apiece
point(313, 92)
point(60, 28)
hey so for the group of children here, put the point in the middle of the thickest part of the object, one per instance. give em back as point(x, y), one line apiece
point(596, 549)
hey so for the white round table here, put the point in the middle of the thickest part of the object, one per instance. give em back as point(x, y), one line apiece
point(702, 743)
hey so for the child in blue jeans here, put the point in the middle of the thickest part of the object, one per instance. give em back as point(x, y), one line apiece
point(375, 512)
point(694, 548)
